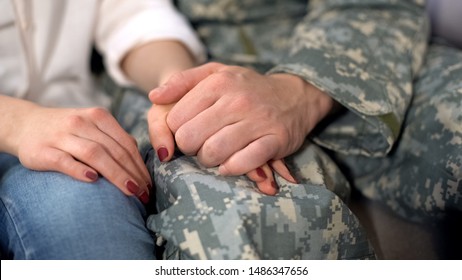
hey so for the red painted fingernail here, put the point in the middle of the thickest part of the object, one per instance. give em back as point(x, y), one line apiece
point(273, 184)
point(144, 197)
point(132, 187)
point(261, 173)
point(162, 153)
point(91, 175)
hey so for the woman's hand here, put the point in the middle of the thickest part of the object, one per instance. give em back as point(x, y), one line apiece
point(263, 176)
point(82, 143)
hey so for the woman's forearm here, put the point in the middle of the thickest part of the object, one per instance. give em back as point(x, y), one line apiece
point(151, 64)
point(14, 112)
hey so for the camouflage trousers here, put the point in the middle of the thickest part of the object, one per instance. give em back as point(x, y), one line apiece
point(206, 216)
point(421, 180)
point(201, 215)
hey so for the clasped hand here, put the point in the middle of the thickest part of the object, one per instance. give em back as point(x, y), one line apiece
point(235, 118)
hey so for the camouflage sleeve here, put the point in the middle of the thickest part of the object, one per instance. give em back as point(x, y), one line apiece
point(364, 54)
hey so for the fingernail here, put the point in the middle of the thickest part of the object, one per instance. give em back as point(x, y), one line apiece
point(144, 197)
point(91, 175)
point(273, 184)
point(261, 173)
point(132, 187)
point(149, 186)
point(162, 153)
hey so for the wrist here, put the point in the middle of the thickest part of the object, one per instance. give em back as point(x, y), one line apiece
point(150, 65)
point(314, 103)
point(15, 115)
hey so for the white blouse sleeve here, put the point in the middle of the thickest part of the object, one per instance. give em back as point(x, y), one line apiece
point(124, 24)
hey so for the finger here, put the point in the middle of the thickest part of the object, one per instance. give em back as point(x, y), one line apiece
point(127, 161)
point(161, 137)
point(97, 156)
point(206, 93)
point(193, 134)
point(263, 177)
point(120, 144)
point(179, 84)
point(281, 168)
point(224, 143)
point(252, 156)
point(198, 99)
point(59, 161)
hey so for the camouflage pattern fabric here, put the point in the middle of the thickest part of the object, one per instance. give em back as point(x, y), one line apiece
point(206, 216)
point(366, 55)
point(421, 179)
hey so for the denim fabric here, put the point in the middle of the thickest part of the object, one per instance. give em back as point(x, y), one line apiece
point(48, 215)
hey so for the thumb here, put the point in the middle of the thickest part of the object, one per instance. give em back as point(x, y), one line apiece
point(180, 83)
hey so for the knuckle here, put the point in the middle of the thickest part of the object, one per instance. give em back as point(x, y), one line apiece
point(56, 160)
point(98, 113)
point(223, 77)
point(233, 167)
point(184, 141)
point(260, 150)
point(30, 158)
point(210, 154)
point(120, 156)
point(219, 82)
point(34, 155)
point(176, 77)
point(241, 102)
point(224, 81)
point(173, 121)
point(74, 121)
point(92, 151)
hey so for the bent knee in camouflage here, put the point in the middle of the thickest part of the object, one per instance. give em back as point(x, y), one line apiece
point(206, 216)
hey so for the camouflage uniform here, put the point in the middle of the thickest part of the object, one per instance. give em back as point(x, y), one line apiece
point(421, 179)
point(366, 55)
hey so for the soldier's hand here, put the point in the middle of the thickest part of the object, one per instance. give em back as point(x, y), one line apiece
point(237, 118)
point(164, 143)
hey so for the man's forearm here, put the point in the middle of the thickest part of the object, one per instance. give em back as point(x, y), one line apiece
point(151, 64)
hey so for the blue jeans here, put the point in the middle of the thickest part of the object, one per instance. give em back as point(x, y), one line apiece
point(48, 215)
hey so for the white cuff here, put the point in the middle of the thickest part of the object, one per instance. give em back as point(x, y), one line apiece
point(149, 25)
